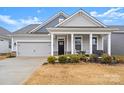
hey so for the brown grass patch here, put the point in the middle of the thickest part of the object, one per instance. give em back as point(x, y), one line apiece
point(2, 57)
point(83, 73)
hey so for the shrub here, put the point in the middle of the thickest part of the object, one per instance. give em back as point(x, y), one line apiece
point(51, 59)
point(83, 58)
point(93, 58)
point(62, 59)
point(75, 58)
point(114, 60)
point(106, 59)
point(87, 55)
point(68, 58)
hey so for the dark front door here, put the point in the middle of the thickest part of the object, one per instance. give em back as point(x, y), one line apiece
point(94, 44)
point(60, 47)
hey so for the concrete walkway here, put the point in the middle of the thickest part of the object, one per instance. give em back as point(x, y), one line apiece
point(13, 71)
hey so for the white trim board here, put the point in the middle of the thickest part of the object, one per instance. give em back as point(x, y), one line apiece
point(32, 41)
point(31, 35)
point(60, 33)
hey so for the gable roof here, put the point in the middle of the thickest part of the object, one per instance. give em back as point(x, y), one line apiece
point(26, 29)
point(49, 20)
point(94, 20)
point(4, 31)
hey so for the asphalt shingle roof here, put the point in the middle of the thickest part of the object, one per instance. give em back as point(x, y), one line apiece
point(120, 27)
point(26, 29)
point(4, 31)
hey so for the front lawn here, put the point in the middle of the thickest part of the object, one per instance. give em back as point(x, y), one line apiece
point(78, 73)
point(7, 55)
point(2, 57)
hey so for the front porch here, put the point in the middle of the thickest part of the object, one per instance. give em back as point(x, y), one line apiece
point(72, 43)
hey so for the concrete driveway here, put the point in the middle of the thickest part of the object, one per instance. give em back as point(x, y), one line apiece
point(13, 71)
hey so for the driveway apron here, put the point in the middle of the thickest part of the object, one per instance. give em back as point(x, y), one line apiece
point(13, 71)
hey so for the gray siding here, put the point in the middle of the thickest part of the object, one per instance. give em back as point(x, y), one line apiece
point(105, 43)
point(86, 43)
point(117, 44)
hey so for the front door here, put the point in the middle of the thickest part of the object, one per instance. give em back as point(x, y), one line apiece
point(60, 47)
point(94, 44)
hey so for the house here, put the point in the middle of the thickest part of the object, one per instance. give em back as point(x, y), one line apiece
point(64, 34)
point(5, 41)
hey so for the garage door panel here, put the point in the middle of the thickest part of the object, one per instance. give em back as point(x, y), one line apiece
point(33, 49)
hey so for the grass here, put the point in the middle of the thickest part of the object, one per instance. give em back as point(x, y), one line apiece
point(6, 55)
point(76, 74)
point(2, 57)
point(119, 57)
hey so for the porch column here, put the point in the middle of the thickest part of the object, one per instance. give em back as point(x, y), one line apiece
point(12, 44)
point(51, 44)
point(109, 44)
point(72, 45)
point(91, 43)
point(102, 42)
point(67, 43)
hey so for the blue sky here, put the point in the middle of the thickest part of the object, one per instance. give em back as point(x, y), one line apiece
point(13, 18)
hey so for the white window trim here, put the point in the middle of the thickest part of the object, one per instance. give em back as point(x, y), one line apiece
point(67, 43)
point(97, 41)
point(81, 41)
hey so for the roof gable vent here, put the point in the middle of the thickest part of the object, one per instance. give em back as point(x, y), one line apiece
point(60, 20)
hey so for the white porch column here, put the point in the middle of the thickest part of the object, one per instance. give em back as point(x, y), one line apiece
point(91, 43)
point(67, 43)
point(72, 43)
point(102, 42)
point(12, 44)
point(109, 44)
point(51, 44)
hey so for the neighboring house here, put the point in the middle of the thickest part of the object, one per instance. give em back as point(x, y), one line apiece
point(5, 41)
point(64, 34)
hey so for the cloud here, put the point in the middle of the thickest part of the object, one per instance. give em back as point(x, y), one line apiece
point(38, 11)
point(111, 13)
point(33, 20)
point(107, 21)
point(18, 23)
point(7, 19)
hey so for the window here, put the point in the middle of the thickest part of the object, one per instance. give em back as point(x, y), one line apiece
point(78, 44)
point(94, 41)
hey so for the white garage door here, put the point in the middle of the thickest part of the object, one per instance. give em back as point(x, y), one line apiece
point(33, 49)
